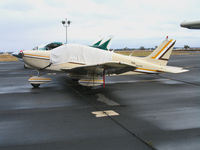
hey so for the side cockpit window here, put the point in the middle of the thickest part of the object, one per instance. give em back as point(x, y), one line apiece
point(53, 45)
point(48, 46)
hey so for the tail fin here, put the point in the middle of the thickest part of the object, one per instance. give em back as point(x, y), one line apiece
point(104, 46)
point(97, 43)
point(162, 53)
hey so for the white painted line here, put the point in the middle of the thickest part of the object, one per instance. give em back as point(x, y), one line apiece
point(105, 113)
point(103, 99)
point(51, 73)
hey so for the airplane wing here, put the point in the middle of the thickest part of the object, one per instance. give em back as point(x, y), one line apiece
point(97, 69)
point(191, 24)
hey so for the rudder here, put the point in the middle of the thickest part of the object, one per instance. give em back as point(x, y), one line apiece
point(162, 53)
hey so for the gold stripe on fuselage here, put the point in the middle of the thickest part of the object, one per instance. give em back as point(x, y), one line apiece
point(36, 56)
point(46, 79)
point(147, 69)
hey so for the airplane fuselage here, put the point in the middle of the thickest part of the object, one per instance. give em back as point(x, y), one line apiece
point(40, 59)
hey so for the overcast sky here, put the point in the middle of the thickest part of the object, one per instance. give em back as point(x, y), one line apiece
point(132, 23)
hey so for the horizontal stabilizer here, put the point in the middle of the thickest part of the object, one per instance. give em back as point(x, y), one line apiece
point(172, 69)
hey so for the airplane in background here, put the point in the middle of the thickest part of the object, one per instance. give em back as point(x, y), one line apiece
point(90, 65)
point(18, 54)
point(191, 24)
point(104, 45)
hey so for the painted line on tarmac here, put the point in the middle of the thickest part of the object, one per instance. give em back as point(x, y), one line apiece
point(186, 82)
point(137, 81)
point(121, 125)
point(102, 98)
point(105, 113)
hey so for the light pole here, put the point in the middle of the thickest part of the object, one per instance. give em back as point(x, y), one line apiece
point(66, 23)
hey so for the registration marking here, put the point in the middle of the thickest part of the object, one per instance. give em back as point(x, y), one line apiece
point(105, 113)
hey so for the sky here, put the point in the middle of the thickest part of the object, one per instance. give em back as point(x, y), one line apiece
point(132, 23)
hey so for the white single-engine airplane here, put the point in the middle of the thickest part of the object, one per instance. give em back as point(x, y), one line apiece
point(90, 65)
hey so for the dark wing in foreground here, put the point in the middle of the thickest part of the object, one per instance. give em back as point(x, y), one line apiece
point(97, 69)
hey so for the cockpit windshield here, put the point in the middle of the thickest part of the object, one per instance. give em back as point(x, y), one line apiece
point(48, 47)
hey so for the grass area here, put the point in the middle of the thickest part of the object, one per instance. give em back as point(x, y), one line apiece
point(7, 57)
point(146, 53)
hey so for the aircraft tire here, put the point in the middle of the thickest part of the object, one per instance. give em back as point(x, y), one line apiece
point(25, 67)
point(35, 85)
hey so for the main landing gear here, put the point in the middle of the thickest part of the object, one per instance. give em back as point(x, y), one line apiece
point(37, 80)
point(93, 80)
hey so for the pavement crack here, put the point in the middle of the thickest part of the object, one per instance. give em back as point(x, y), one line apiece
point(148, 144)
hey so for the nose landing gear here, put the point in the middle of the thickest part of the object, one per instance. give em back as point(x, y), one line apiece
point(35, 85)
point(35, 81)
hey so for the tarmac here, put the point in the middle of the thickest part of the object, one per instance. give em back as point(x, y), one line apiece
point(141, 112)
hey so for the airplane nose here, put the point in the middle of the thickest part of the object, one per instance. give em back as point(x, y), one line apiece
point(22, 54)
point(18, 55)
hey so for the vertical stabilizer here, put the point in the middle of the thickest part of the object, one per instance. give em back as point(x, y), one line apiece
point(162, 53)
point(105, 45)
point(97, 43)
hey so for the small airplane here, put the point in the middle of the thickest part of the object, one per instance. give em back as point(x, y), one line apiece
point(89, 65)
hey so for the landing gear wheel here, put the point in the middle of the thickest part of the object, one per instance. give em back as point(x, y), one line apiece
point(25, 67)
point(35, 85)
